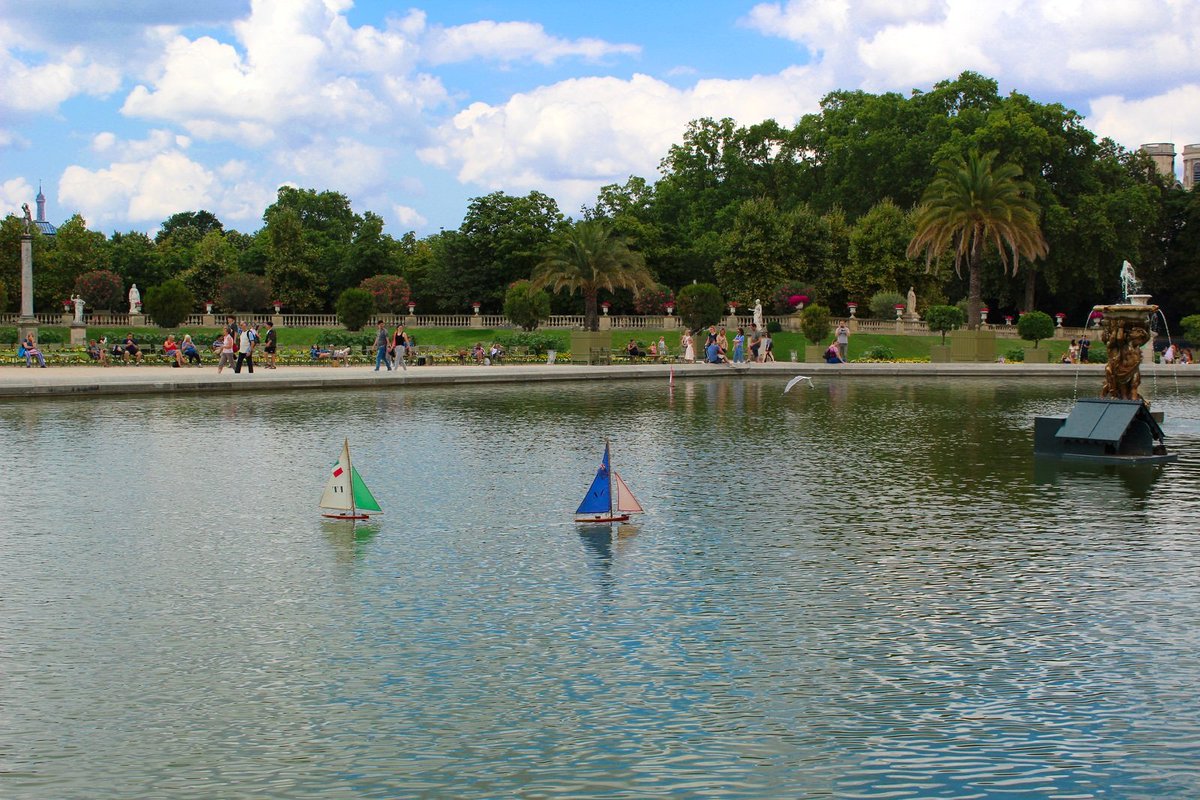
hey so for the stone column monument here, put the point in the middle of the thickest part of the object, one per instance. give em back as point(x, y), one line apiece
point(27, 322)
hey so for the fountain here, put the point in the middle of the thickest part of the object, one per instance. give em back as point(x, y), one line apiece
point(1117, 427)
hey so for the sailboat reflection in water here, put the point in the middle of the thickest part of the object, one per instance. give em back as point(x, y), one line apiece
point(598, 504)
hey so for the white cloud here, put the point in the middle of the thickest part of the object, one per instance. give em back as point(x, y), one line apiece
point(149, 180)
point(1067, 46)
point(572, 137)
point(409, 217)
point(14, 192)
point(1171, 116)
point(511, 41)
point(43, 87)
point(342, 164)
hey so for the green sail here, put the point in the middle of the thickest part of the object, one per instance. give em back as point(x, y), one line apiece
point(363, 499)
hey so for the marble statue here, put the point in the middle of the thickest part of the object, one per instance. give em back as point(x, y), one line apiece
point(28, 221)
point(79, 304)
point(758, 318)
point(911, 305)
point(135, 300)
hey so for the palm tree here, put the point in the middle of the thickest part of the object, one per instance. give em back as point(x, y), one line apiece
point(588, 257)
point(972, 203)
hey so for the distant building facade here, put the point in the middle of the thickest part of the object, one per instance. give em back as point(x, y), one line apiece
point(1191, 166)
point(1163, 155)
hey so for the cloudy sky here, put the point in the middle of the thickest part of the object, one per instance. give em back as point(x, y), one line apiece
point(128, 111)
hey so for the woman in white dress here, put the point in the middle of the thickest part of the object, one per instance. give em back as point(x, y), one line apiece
point(685, 344)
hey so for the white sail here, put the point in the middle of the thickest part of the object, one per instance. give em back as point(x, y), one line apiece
point(626, 502)
point(339, 492)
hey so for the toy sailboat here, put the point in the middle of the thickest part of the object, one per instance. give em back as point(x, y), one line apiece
point(345, 493)
point(597, 505)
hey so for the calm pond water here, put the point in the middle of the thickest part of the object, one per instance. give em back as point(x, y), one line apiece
point(866, 589)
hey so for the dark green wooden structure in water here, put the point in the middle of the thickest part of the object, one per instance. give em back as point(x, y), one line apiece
point(1103, 431)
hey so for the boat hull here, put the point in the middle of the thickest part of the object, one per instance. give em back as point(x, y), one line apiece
point(347, 516)
point(604, 518)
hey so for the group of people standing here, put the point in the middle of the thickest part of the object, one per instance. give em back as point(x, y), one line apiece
point(392, 350)
point(240, 341)
point(758, 347)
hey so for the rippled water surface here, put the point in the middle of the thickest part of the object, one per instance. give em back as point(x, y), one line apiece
point(865, 589)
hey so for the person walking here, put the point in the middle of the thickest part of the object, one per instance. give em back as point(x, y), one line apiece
point(843, 340)
point(245, 353)
point(739, 346)
point(399, 348)
point(381, 347)
point(227, 348)
point(270, 344)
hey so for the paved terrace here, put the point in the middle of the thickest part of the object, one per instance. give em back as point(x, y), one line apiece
point(21, 382)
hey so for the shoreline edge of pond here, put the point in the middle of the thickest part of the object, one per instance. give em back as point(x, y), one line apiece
point(21, 382)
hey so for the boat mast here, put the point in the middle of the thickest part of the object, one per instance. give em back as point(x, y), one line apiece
point(349, 474)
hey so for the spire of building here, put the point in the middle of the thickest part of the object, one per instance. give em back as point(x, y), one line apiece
point(42, 223)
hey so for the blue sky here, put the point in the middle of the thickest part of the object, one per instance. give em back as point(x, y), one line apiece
point(129, 111)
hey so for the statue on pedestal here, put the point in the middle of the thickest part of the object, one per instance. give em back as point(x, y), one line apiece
point(28, 220)
point(758, 317)
point(79, 304)
point(135, 300)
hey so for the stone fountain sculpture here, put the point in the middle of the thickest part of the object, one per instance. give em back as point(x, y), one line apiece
point(1118, 427)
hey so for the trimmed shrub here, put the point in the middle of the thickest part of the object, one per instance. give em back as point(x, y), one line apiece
point(879, 352)
point(699, 305)
point(1035, 326)
point(100, 288)
point(653, 300)
point(774, 327)
point(943, 319)
point(355, 307)
point(814, 323)
point(391, 293)
point(883, 304)
point(169, 304)
point(1190, 325)
point(244, 292)
point(1015, 354)
point(525, 307)
point(536, 343)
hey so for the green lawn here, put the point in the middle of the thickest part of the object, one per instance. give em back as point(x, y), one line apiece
point(904, 348)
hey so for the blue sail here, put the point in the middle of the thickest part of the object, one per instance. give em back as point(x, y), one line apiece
point(598, 499)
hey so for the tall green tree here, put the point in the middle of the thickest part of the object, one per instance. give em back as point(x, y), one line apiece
point(291, 265)
point(972, 204)
point(75, 250)
point(588, 258)
point(500, 241)
point(136, 259)
point(213, 260)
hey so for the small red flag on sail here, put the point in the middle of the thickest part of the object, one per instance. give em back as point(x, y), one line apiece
point(337, 472)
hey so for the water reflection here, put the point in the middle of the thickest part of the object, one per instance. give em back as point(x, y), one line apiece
point(865, 589)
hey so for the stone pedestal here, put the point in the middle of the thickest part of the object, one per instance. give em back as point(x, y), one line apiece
point(1036, 355)
point(852, 324)
point(78, 333)
point(731, 323)
point(605, 323)
point(409, 322)
point(67, 318)
point(277, 320)
point(670, 322)
point(137, 320)
point(476, 321)
point(27, 326)
point(973, 345)
point(209, 320)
